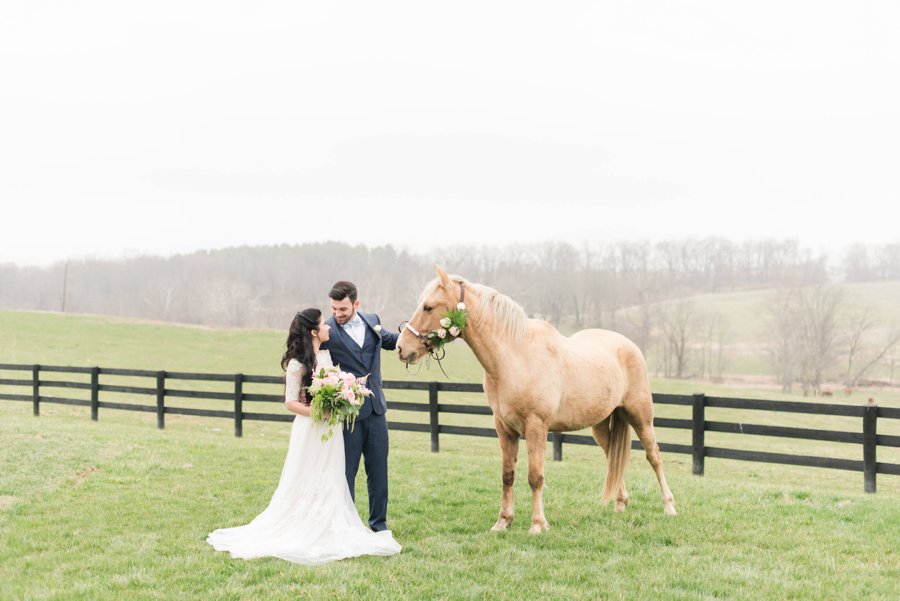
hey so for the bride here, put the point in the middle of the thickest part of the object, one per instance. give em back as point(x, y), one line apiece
point(311, 518)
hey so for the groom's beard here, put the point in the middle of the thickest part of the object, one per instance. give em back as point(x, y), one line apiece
point(342, 320)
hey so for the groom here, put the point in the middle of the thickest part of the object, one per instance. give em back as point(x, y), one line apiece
point(355, 344)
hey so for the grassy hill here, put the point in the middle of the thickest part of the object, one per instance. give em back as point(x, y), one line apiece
point(746, 341)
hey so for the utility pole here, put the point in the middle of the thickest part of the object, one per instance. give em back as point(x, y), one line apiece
point(65, 282)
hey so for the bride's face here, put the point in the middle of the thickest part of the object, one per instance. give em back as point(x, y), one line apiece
point(324, 331)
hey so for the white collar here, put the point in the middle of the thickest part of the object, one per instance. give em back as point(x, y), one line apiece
point(355, 322)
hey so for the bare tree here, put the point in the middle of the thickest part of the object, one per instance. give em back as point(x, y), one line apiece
point(679, 330)
point(783, 336)
point(820, 310)
point(560, 261)
point(723, 334)
point(232, 303)
point(888, 262)
point(639, 325)
point(857, 264)
point(892, 357)
point(891, 342)
point(714, 328)
point(857, 326)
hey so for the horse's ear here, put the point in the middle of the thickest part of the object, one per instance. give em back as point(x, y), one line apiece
point(442, 275)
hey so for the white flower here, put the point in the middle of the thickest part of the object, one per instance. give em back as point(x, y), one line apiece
point(446, 322)
point(442, 333)
point(378, 329)
point(461, 306)
point(454, 331)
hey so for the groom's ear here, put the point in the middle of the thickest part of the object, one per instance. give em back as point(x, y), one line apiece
point(442, 275)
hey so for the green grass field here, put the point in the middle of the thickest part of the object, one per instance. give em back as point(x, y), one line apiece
point(117, 509)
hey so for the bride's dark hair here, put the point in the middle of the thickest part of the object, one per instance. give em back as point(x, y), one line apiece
point(299, 342)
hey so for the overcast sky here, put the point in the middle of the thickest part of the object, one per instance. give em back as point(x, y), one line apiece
point(171, 126)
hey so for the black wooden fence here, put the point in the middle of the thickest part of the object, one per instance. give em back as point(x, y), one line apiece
point(867, 435)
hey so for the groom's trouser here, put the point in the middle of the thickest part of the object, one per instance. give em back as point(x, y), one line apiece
point(369, 438)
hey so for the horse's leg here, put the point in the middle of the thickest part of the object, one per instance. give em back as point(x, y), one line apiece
point(601, 435)
point(509, 447)
point(640, 415)
point(536, 439)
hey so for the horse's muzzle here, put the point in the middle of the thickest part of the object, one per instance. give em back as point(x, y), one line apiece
point(408, 349)
point(408, 357)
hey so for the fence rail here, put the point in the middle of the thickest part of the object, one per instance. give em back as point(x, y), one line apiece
point(867, 435)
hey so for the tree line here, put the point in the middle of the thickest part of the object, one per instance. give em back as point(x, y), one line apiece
point(641, 288)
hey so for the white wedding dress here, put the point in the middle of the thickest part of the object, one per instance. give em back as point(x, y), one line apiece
point(311, 518)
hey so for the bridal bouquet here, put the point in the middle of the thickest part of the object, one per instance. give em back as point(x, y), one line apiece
point(336, 397)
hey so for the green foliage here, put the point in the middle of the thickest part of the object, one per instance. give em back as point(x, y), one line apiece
point(451, 327)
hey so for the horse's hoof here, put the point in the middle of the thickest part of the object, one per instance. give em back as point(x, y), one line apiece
point(620, 506)
point(500, 526)
point(670, 509)
point(538, 527)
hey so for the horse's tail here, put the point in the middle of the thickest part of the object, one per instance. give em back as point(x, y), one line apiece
point(617, 458)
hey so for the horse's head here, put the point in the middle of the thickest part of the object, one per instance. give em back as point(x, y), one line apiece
point(440, 296)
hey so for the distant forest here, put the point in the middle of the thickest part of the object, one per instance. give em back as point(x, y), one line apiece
point(570, 286)
point(618, 285)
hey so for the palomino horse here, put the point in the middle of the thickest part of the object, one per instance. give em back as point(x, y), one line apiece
point(539, 381)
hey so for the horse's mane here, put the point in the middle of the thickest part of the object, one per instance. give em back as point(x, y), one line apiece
point(508, 315)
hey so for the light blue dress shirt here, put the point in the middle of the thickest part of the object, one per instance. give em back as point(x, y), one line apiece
point(356, 329)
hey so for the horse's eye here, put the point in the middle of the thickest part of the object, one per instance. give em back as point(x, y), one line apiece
point(427, 309)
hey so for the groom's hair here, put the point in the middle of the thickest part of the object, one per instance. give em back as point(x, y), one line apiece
point(342, 290)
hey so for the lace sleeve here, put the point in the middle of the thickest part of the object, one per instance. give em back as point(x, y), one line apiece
point(293, 383)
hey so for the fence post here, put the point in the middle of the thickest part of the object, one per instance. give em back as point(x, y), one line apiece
point(434, 426)
point(698, 432)
point(870, 465)
point(160, 399)
point(95, 392)
point(557, 446)
point(35, 388)
point(238, 405)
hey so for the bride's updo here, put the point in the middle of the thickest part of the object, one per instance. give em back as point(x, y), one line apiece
point(299, 342)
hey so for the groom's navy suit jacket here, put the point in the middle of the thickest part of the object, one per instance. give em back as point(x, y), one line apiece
point(369, 438)
point(361, 361)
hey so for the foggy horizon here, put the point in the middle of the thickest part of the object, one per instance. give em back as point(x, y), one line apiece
point(167, 128)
